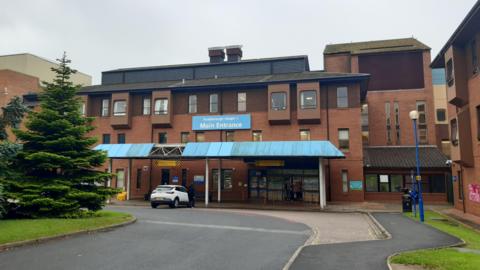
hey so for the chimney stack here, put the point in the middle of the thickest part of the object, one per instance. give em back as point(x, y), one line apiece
point(234, 53)
point(216, 54)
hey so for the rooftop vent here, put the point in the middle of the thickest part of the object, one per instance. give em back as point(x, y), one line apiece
point(216, 54)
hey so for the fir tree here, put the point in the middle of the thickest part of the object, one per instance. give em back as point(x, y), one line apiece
point(57, 163)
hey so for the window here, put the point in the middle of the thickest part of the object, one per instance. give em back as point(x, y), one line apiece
point(139, 179)
point(242, 101)
point(344, 139)
point(449, 75)
point(214, 103)
point(473, 48)
point(344, 181)
point(446, 148)
point(226, 176)
point(162, 137)
point(422, 121)
point(396, 110)
point(83, 108)
point(120, 179)
point(364, 122)
point(199, 137)
point(161, 106)
point(388, 122)
point(383, 185)
point(119, 107)
point(230, 136)
point(279, 101)
point(121, 138)
point(308, 99)
point(434, 183)
point(257, 136)
point(460, 185)
point(454, 131)
point(342, 97)
point(304, 135)
point(441, 115)
point(192, 104)
point(371, 183)
point(106, 138)
point(147, 105)
point(478, 122)
point(184, 137)
point(396, 183)
point(105, 107)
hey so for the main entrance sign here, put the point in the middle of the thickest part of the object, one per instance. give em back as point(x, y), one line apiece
point(221, 122)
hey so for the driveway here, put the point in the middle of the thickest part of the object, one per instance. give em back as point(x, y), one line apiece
point(171, 239)
point(372, 255)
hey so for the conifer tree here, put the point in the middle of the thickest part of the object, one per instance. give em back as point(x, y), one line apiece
point(59, 174)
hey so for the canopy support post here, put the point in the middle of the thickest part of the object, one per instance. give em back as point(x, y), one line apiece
point(206, 182)
point(129, 177)
point(321, 184)
point(110, 168)
point(219, 182)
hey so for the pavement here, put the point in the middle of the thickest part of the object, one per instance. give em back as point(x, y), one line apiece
point(406, 234)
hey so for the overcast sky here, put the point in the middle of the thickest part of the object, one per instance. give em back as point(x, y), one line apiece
point(102, 35)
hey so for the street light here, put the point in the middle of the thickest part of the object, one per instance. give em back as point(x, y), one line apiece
point(414, 116)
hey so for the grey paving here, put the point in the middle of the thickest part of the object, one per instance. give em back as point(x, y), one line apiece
point(171, 239)
point(372, 255)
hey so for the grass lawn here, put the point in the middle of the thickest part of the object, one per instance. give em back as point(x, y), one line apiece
point(446, 258)
point(28, 229)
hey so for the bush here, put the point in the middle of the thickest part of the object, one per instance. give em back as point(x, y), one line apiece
point(3, 203)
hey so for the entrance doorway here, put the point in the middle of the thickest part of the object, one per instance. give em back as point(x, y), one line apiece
point(165, 176)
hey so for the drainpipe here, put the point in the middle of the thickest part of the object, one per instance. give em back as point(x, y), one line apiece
point(329, 190)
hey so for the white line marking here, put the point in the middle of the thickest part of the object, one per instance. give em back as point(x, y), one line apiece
point(224, 227)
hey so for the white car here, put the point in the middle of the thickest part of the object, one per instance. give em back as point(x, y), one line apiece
point(173, 195)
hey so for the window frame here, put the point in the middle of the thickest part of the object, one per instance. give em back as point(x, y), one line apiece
point(243, 102)
point(454, 131)
point(307, 134)
point(119, 113)
point(138, 184)
point(163, 104)
point(449, 72)
point(259, 135)
point(146, 110)
point(441, 110)
point(345, 187)
point(121, 141)
point(105, 109)
point(164, 135)
point(123, 178)
point(213, 103)
point(184, 135)
point(342, 98)
point(302, 100)
point(192, 104)
point(199, 134)
point(104, 136)
point(342, 148)
point(474, 57)
point(274, 107)
point(232, 136)
point(388, 122)
point(223, 174)
point(422, 126)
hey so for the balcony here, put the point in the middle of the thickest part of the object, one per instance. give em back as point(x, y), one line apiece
point(308, 103)
point(279, 104)
point(457, 89)
point(121, 116)
point(162, 108)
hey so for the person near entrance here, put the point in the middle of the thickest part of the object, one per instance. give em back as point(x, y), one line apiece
point(191, 195)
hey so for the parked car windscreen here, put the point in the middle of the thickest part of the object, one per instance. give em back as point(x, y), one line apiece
point(163, 189)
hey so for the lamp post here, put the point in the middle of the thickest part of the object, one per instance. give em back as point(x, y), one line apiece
point(414, 116)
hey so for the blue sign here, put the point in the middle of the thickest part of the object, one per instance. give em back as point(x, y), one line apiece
point(175, 179)
point(356, 185)
point(221, 122)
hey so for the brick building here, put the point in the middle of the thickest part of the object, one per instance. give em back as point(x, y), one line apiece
point(401, 81)
point(459, 57)
point(283, 100)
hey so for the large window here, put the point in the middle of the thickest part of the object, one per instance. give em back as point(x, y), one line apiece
point(162, 137)
point(105, 107)
point(161, 106)
point(120, 107)
point(279, 101)
point(242, 102)
point(454, 131)
point(192, 104)
point(342, 97)
point(441, 115)
point(388, 122)
point(343, 139)
point(422, 122)
point(257, 135)
point(308, 99)
point(121, 138)
point(147, 104)
point(344, 181)
point(214, 103)
point(435, 183)
point(226, 176)
point(184, 137)
point(304, 135)
point(199, 137)
point(83, 108)
point(106, 138)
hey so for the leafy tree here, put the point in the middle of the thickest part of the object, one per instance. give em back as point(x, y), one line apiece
point(57, 163)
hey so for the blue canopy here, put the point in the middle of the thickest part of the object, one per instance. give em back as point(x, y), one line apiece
point(323, 149)
point(133, 150)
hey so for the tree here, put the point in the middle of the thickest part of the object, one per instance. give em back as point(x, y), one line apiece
point(12, 116)
point(57, 164)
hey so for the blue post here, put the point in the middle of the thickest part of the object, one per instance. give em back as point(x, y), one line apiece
point(419, 184)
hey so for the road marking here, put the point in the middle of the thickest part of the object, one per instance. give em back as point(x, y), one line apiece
point(224, 227)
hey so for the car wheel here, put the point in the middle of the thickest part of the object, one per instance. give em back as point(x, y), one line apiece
point(174, 203)
point(154, 205)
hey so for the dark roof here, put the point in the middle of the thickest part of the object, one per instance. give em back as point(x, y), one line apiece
point(376, 46)
point(403, 157)
point(227, 81)
point(243, 61)
point(462, 34)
